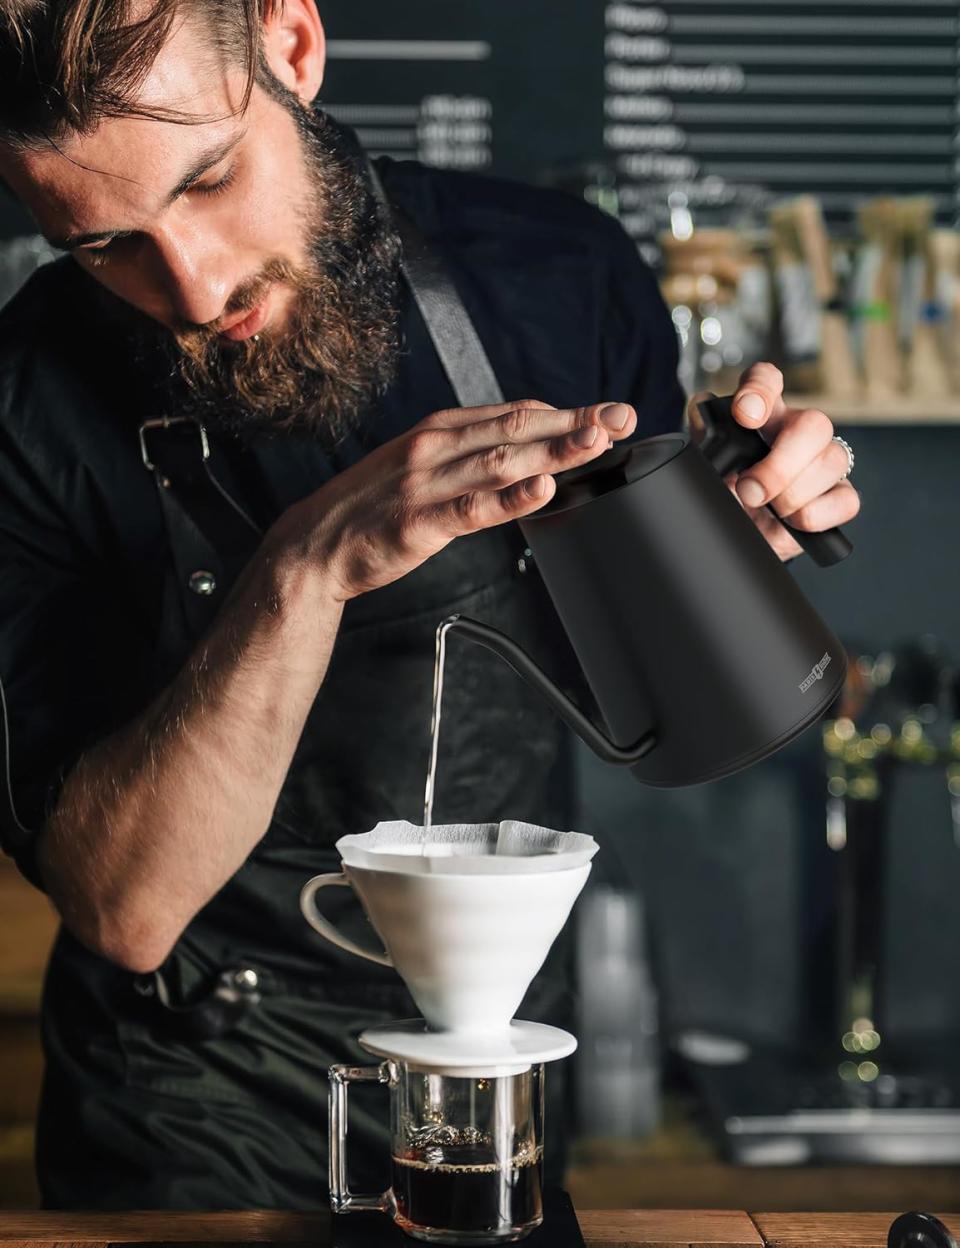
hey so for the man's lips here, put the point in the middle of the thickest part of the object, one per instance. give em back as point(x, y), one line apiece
point(248, 323)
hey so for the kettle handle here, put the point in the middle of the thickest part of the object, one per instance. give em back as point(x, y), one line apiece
point(568, 711)
point(729, 447)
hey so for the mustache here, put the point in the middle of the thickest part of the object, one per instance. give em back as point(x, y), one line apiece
point(245, 298)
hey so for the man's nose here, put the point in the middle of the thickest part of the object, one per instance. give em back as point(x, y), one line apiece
point(197, 274)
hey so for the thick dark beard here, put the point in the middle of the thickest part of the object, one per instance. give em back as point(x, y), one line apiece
point(339, 349)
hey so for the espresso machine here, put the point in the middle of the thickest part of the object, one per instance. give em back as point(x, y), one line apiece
point(467, 916)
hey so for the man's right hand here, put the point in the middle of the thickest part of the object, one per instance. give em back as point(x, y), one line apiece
point(153, 820)
point(454, 473)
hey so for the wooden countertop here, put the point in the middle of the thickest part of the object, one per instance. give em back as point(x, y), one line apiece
point(622, 1228)
point(833, 1230)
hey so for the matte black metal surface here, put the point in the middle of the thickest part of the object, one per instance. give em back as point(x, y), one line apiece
point(686, 623)
point(919, 1230)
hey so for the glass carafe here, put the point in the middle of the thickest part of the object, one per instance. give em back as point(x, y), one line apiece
point(467, 1152)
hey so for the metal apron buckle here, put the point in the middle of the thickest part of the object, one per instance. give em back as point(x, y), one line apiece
point(166, 422)
point(234, 996)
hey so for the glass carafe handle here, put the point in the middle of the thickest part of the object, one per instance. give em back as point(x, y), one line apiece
point(342, 1200)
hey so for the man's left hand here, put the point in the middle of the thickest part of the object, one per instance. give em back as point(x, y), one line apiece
point(800, 477)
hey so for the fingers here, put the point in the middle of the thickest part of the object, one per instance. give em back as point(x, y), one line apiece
point(816, 479)
point(759, 396)
point(523, 444)
point(528, 424)
point(798, 444)
point(456, 417)
point(782, 543)
point(519, 420)
point(835, 507)
point(472, 468)
point(503, 465)
point(483, 509)
point(443, 462)
point(694, 419)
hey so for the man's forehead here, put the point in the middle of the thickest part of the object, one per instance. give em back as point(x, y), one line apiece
point(128, 165)
point(190, 80)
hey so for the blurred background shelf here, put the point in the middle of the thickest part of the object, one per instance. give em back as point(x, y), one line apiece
point(899, 410)
point(678, 1167)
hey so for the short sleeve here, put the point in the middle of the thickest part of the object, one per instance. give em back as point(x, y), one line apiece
point(640, 349)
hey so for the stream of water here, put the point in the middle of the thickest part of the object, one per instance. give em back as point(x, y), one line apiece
point(438, 666)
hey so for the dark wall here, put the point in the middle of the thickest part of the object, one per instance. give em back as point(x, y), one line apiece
point(903, 577)
point(735, 104)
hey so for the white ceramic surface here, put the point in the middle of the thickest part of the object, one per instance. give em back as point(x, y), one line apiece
point(507, 1052)
point(468, 945)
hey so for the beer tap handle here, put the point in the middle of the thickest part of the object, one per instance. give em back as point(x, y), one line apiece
point(953, 791)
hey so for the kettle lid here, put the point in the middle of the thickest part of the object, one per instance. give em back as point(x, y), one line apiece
point(621, 465)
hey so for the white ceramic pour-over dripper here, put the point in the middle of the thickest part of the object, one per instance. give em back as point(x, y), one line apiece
point(465, 927)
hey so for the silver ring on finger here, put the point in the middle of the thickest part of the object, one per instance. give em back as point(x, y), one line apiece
point(851, 458)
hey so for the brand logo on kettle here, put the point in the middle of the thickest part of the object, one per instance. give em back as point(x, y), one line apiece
point(816, 674)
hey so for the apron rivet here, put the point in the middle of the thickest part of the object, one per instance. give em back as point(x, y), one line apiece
point(247, 979)
point(202, 582)
point(166, 482)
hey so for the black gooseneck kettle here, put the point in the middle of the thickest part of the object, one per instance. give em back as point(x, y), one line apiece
point(701, 651)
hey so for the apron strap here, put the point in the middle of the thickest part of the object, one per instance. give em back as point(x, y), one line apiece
point(211, 535)
point(457, 343)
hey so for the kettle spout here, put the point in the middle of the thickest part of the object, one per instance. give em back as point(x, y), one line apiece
point(568, 711)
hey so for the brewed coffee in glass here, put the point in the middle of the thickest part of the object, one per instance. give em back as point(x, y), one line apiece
point(467, 1152)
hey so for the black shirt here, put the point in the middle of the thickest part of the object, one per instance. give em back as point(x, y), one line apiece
point(569, 315)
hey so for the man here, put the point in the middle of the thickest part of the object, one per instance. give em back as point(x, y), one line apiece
point(214, 667)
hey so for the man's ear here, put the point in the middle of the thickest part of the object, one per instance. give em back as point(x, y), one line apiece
point(295, 47)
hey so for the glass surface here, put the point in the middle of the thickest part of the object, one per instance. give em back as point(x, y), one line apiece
point(467, 1155)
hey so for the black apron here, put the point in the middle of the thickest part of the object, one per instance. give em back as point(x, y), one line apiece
point(190, 1090)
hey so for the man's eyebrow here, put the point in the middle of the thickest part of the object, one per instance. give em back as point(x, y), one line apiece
point(201, 165)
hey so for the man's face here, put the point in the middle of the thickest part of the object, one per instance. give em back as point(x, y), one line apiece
point(236, 235)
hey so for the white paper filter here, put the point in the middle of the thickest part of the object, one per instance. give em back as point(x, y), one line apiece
point(506, 848)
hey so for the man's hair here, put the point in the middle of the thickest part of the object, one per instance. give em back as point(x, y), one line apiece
point(65, 65)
